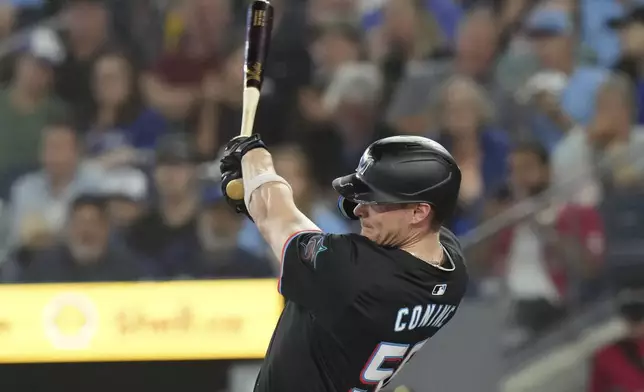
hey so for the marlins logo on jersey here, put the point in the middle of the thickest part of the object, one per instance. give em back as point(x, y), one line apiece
point(313, 248)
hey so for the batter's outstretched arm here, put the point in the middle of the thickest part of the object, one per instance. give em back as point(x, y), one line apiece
point(271, 205)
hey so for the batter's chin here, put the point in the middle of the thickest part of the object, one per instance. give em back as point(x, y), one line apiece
point(367, 232)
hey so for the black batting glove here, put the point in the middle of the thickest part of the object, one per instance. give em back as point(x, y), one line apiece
point(230, 171)
point(239, 146)
point(230, 166)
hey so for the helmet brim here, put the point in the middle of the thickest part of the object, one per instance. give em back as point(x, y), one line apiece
point(353, 188)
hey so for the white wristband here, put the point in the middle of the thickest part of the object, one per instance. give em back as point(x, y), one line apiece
point(250, 185)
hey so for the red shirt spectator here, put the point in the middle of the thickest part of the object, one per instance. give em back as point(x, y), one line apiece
point(178, 69)
point(619, 367)
point(535, 255)
point(613, 370)
point(173, 86)
point(578, 226)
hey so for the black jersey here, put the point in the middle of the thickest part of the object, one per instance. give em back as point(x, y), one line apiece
point(356, 312)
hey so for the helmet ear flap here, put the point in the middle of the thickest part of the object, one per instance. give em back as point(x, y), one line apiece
point(346, 208)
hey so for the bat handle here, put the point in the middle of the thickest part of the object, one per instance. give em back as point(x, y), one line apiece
point(235, 188)
point(249, 110)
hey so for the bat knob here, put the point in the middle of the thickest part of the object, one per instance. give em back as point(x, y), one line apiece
point(235, 189)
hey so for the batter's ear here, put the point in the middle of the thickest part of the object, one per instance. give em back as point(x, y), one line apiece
point(421, 212)
point(346, 208)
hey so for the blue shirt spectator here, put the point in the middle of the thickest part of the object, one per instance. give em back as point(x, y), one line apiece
point(39, 200)
point(551, 32)
point(32, 195)
point(119, 120)
point(142, 134)
point(596, 34)
point(578, 97)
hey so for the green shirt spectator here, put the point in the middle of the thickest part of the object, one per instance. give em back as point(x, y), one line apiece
point(21, 126)
point(27, 104)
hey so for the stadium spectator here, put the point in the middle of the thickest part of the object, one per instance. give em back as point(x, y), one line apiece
point(351, 100)
point(119, 129)
point(87, 36)
point(596, 29)
point(290, 61)
point(126, 190)
point(222, 256)
point(173, 86)
point(630, 27)
point(609, 146)
point(218, 114)
point(608, 156)
point(474, 55)
point(545, 259)
point(86, 253)
point(321, 11)
point(34, 238)
point(465, 126)
point(7, 19)
point(335, 48)
point(519, 60)
point(398, 35)
point(542, 94)
point(619, 366)
point(28, 12)
point(166, 236)
point(44, 196)
point(139, 24)
point(27, 104)
point(332, 46)
point(551, 32)
point(409, 32)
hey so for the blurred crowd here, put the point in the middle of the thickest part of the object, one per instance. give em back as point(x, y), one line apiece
point(112, 119)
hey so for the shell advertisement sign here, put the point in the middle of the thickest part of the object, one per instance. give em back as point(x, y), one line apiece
point(230, 319)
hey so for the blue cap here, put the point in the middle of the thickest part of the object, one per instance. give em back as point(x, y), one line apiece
point(549, 22)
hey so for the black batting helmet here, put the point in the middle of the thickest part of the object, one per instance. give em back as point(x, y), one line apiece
point(402, 169)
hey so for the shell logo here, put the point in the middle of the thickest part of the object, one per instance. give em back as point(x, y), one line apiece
point(70, 321)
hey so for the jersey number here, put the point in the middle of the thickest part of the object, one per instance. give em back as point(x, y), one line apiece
point(385, 362)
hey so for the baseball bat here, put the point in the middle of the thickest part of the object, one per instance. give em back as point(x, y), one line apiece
point(259, 26)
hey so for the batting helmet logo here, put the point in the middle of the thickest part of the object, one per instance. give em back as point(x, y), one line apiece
point(365, 163)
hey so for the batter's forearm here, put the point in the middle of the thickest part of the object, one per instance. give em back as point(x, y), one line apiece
point(254, 164)
point(271, 205)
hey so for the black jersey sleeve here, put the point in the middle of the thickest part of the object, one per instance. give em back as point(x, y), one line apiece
point(319, 270)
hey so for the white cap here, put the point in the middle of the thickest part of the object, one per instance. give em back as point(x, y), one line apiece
point(130, 183)
point(354, 82)
point(44, 44)
point(552, 82)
